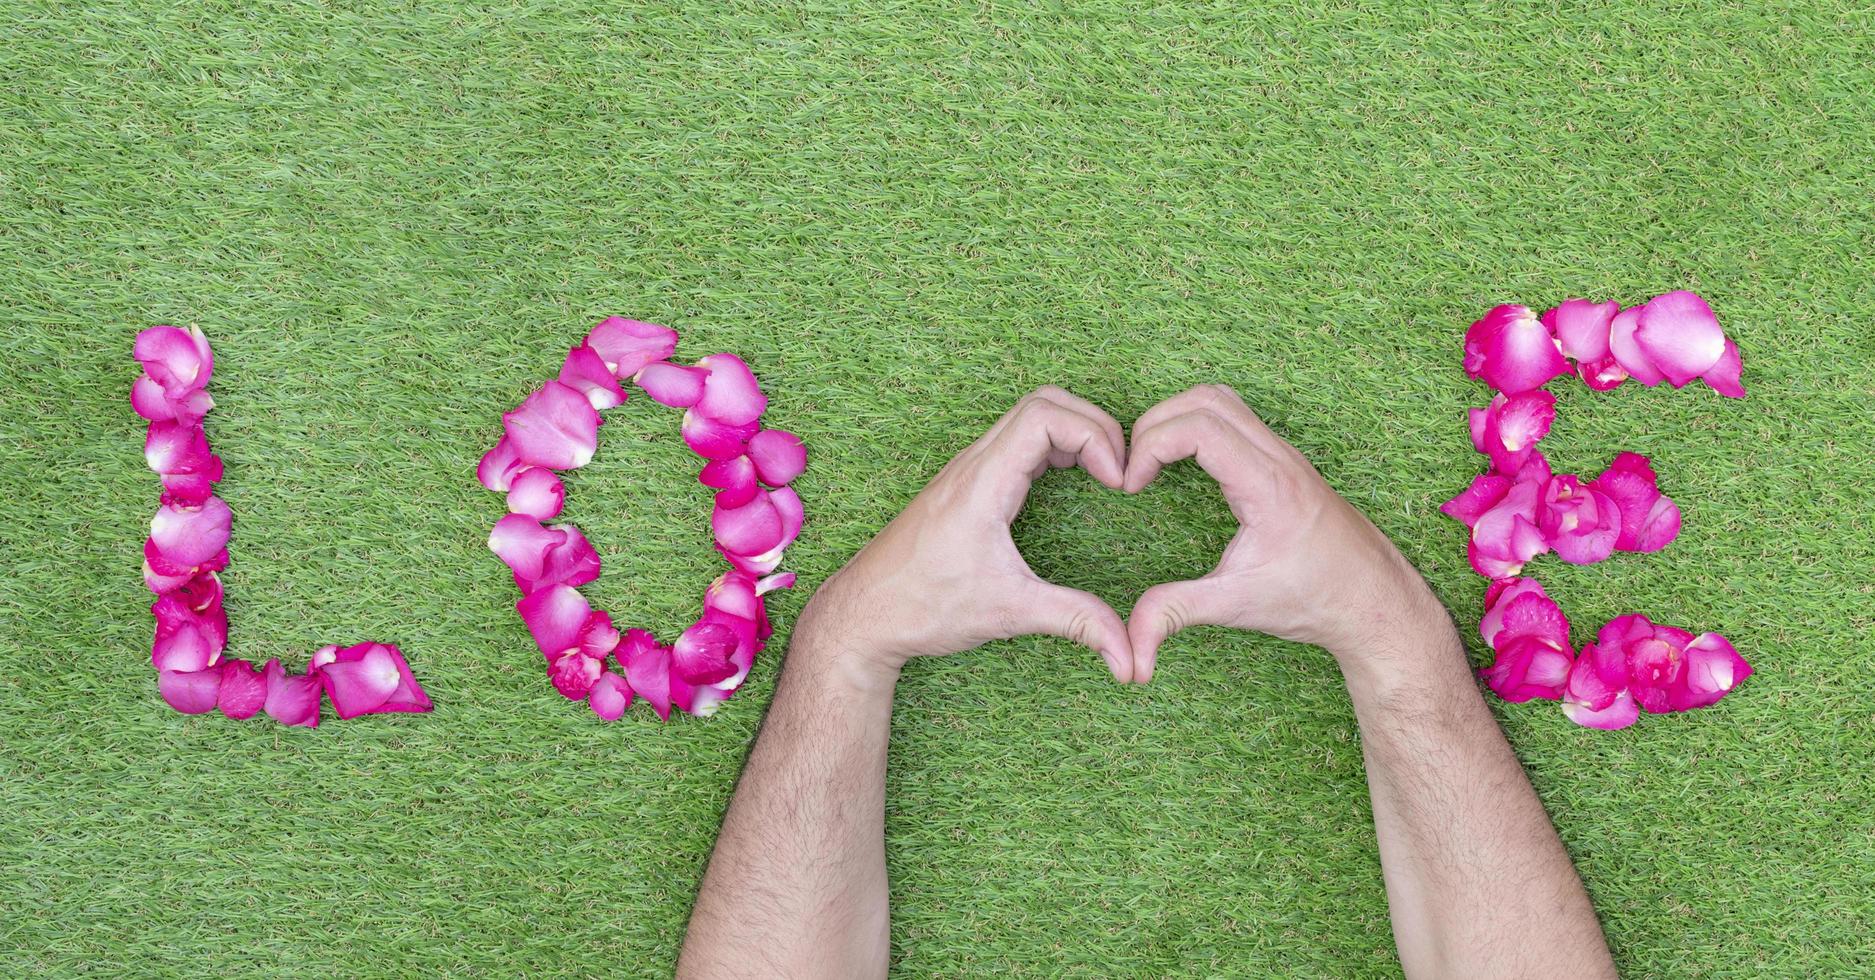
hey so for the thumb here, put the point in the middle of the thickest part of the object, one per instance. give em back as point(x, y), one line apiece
point(1161, 611)
point(1082, 617)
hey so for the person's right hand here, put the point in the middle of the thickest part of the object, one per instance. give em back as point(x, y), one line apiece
point(1304, 564)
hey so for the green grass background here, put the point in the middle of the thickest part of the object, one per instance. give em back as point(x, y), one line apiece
point(392, 219)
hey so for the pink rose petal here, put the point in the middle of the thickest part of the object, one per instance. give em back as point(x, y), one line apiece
point(574, 673)
point(292, 699)
point(191, 535)
point(171, 449)
point(1626, 350)
point(1723, 377)
point(711, 439)
point(571, 562)
point(627, 346)
point(1510, 350)
point(522, 543)
point(1680, 336)
point(1581, 327)
point(555, 615)
point(555, 427)
point(586, 372)
point(1605, 374)
point(751, 529)
point(701, 654)
point(672, 384)
point(730, 394)
point(1528, 668)
point(1507, 536)
point(371, 678)
point(537, 493)
point(1580, 523)
point(500, 466)
point(1474, 501)
point(1497, 599)
point(647, 669)
point(734, 480)
point(1649, 520)
point(1511, 427)
point(190, 692)
point(151, 400)
point(243, 692)
point(783, 580)
point(609, 697)
point(779, 456)
point(178, 360)
point(1713, 669)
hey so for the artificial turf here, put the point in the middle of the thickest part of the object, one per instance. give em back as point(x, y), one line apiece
point(393, 219)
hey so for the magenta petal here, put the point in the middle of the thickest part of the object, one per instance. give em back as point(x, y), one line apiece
point(1528, 668)
point(779, 456)
point(609, 697)
point(1724, 376)
point(712, 439)
point(586, 372)
point(191, 630)
point(672, 384)
point(499, 466)
point(571, 562)
point(1513, 425)
point(734, 478)
point(191, 535)
point(1580, 523)
point(369, 678)
point(192, 489)
point(730, 394)
point(627, 346)
point(1605, 374)
point(522, 544)
point(1620, 712)
point(783, 580)
point(175, 358)
point(1518, 352)
point(148, 399)
point(573, 674)
point(242, 689)
point(171, 448)
point(1483, 494)
point(1627, 350)
point(190, 692)
point(1531, 615)
point(555, 427)
point(1649, 520)
point(747, 530)
point(647, 670)
point(292, 699)
point(733, 593)
point(1713, 669)
point(537, 493)
point(1680, 336)
point(555, 615)
point(793, 516)
point(700, 700)
point(701, 654)
point(1581, 327)
point(1498, 598)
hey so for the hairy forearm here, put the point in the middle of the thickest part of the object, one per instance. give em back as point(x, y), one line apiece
point(796, 886)
point(1477, 881)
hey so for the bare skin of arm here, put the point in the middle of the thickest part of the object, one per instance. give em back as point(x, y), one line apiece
point(796, 886)
point(1478, 883)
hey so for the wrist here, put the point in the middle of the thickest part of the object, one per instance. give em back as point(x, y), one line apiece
point(827, 646)
point(1404, 644)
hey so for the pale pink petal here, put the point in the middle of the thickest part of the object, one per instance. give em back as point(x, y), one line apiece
point(1484, 493)
point(1627, 350)
point(242, 690)
point(672, 384)
point(322, 656)
point(190, 692)
point(1619, 713)
point(733, 478)
point(730, 394)
point(1713, 670)
point(537, 493)
point(555, 615)
point(628, 345)
point(647, 669)
point(175, 358)
point(555, 427)
point(1680, 336)
point(1517, 352)
point(292, 699)
point(148, 399)
point(701, 654)
point(609, 697)
point(779, 456)
point(586, 372)
point(522, 544)
point(159, 583)
point(1581, 327)
point(747, 530)
point(1479, 422)
point(793, 515)
point(499, 466)
point(191, 535)
point(699, 700)
point(712, 439)
point(1724, 376)
point(783, 580)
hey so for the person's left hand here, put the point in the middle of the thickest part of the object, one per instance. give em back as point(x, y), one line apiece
point(945, 575)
